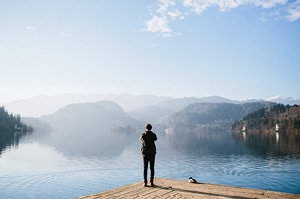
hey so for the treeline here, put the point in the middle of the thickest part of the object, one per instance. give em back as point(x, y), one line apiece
point(279, 117)
point(10, 122)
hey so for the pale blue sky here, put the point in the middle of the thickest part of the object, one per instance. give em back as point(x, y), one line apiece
point(234, 49)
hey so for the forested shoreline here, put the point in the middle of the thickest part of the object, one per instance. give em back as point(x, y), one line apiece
point(277, 118)
point(11, 123)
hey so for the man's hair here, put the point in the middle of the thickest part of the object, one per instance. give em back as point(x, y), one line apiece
point(148, 127)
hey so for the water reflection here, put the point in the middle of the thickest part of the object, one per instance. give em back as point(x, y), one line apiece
point(95, 161)
point(10, 139)
point(270, 144)
point(107, 143)
point(88, 143)
point(204, 141)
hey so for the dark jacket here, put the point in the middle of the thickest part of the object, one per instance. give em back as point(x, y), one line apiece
point(148, 146)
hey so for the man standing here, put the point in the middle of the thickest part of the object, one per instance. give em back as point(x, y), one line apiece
point(148, 151)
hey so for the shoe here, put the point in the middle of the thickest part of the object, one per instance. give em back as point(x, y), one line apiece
point(145, 185)
point(152, 184)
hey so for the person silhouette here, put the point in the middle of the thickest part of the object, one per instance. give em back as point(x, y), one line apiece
point(148, 151)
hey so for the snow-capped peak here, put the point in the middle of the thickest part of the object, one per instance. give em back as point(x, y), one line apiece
point(282, 100)
point(274, 98)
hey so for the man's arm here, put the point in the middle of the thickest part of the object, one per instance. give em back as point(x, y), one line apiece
point(142, 138)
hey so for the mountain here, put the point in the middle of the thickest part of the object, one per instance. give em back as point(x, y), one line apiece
point(101, 129)
point(150, 114)
point(37, 124)
point(162, 110)
point(251, 101)
point(281, 100)
point(180, 103)
point(97, 116)
point(211, 115)
point(44, 105)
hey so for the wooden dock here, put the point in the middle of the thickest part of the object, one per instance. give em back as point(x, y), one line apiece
point(166, 188)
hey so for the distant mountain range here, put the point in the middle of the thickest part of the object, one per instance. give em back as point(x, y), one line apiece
point(157, 113)
point(280, 100)
point(44, 105)
point(136, 106)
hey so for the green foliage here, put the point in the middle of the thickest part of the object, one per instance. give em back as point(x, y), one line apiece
point(279, 108)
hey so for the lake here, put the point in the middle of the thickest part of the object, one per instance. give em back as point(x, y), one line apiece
point(69, 164)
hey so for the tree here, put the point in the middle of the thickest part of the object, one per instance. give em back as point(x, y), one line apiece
point(9, 121)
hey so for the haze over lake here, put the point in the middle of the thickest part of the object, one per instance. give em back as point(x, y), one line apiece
point(78, 160)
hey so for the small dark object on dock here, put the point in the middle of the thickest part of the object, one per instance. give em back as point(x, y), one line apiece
point(192, 180)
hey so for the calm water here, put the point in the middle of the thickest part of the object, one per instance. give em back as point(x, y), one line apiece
point(72, 164)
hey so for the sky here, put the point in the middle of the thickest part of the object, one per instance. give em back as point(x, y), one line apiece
point(238, 49)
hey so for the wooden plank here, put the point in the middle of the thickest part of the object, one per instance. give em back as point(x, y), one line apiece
point(167, 188)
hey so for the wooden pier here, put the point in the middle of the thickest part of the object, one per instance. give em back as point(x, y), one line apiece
point(166, 188)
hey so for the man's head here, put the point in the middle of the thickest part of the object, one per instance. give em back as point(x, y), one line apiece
point(148, 127)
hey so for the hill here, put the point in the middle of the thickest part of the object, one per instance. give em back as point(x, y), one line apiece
point(285, 117)
point(150, 114)
point(157, 113)
point(87, 129)
point(97, 116)
point(180, 103)
point(211, 115)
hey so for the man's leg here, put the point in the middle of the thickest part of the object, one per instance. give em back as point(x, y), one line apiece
point(152, 161)
point(145, 160)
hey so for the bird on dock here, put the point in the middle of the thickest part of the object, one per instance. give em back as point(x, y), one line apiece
point(192, 180)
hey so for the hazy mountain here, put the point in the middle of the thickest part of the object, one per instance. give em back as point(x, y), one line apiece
point(37, 124)
point(280, 100)
point(212, 114)
point(180, 103)
point(164, 109)
point(97, 116)
point(217, 99)
point(251, 101)
point(44, 105)
point(89, 129)
point(150, 114)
